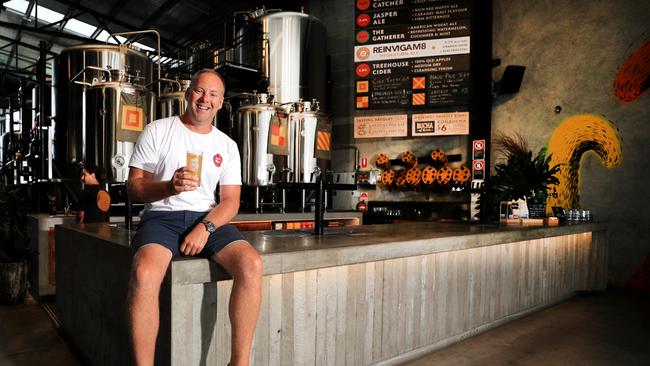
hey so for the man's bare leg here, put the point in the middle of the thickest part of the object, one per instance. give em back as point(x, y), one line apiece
point(245, 265)
point(147, 272)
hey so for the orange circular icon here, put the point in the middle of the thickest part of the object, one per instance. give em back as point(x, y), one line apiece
point(363, 70)
point(363, 4)
point(363, 37)
point(363, 53)
point(363, 20)
point(103, 201)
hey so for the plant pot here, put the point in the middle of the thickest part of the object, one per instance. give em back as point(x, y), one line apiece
point(13, 282)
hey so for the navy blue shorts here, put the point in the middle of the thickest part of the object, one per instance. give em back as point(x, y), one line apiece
point(168, 228)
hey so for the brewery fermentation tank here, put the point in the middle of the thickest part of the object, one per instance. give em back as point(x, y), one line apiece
point(304, 120)
point(172, 100)
point(296, 56)
point(252, 136)
point(87, 64)
point(117, 111)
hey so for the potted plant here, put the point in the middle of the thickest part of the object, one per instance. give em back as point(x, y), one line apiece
point(522, 176)
point(14, 243)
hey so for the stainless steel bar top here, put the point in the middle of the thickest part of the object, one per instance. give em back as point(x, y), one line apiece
point(295, 250)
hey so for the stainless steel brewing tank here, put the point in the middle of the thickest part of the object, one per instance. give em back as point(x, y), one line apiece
point(296, 51)
point(69, 97)
point(303, 165)
point(252, 136)
point(171, 102)
point(117, 111)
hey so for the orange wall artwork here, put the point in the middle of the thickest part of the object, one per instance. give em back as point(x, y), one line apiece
point(633, 78)
point(574, 137)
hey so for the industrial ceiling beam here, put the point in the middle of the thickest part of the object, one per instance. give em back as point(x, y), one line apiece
point(33, 65)
point(15, 72)
point(30, 7)
point(116, 8)
point(23, 44)
point(19, 58)
point(14, 50)
point(159, 13)
point(113, 20)
point(69, 14)
point(43, 31)
point(103, 26)
point(111, 14)
point(11, 43)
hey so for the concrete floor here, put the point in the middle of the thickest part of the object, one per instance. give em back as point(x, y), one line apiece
point(610, 328)
point(28, 337)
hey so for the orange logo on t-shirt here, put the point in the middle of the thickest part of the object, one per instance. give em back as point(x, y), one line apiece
point(103, 201)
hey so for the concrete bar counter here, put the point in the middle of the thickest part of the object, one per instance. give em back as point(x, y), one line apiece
point(377, 294)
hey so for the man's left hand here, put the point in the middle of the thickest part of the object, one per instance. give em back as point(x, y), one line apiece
point(195, 241)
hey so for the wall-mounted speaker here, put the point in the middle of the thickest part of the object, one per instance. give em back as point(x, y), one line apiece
point(511, 80)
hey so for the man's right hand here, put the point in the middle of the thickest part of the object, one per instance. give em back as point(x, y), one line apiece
point(184, 179)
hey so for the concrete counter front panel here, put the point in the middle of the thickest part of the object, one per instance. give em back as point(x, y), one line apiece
point(356, 296)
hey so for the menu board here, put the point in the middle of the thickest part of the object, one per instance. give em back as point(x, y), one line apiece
point(412, 55)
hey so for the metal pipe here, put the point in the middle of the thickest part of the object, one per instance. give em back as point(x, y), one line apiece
point(241, 94)
point(41, 109)
point(91, 68)
point(12, 142)
point(266, 56)
point(25, 114)
point(320, 212)
point(171, 81)
point(157, 45)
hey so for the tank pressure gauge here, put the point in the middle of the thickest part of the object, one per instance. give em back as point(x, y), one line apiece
point(118, 161)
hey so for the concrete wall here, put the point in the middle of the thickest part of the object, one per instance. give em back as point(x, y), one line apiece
point(572, 52)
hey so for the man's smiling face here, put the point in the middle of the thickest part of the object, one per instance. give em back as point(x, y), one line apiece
point(205, 98)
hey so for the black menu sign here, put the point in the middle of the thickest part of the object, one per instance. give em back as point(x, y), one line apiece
point(411, 54)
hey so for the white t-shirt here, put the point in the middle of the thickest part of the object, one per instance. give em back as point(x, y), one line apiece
point(161, 149)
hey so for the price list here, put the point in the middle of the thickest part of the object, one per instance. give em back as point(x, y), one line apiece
point(411, 54)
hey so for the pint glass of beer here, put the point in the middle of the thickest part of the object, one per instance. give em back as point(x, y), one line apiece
point(195, 162)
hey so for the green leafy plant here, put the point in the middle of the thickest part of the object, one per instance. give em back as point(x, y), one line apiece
point(522, 176)
point(14, 223)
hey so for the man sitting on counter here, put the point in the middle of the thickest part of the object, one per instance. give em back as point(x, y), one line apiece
point(175, 168)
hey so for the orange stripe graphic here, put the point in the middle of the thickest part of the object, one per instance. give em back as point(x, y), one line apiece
point(323, 141)
point(418, 99)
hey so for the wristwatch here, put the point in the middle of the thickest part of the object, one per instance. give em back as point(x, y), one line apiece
point(209, 226)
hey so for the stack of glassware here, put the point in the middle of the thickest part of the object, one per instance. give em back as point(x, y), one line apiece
point(575, 215)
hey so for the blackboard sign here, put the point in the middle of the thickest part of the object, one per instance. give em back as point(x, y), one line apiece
point(412, 55)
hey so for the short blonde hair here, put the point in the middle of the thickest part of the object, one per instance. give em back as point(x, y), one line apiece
point(207, 71)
